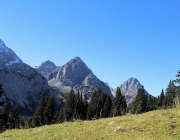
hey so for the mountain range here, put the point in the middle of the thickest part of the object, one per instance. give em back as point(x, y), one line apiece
point(24, 85)
point(75, 74)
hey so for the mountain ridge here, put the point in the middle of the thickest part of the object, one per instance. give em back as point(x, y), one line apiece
point(22, 84)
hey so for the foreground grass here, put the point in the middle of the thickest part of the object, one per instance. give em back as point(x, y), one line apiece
point(155, 125)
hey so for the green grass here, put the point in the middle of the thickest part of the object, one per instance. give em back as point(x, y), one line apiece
point(154, 125)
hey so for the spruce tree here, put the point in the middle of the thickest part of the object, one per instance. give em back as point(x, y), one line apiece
point(1, 92)
point(86, 104)
point(107, 106)
point(94, 105)
point(15, 117)
point(161, 99)
point(119, 104)
point(139, 105)
point(38, 118)
point(170, 94)
point(70, 106)
point(49, 111)
point(78, 106)
point(177, 96)
point(1, 104)
point(61, 117)
point(5, 116)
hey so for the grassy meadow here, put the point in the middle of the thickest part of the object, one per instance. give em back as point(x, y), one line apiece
point(154, 125)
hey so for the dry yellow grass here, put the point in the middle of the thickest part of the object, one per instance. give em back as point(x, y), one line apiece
point(154, 125)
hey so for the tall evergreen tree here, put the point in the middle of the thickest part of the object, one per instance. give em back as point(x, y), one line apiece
point(15, 117)
point(70, 106)
point(139, 105)
point(170, 94)
point(49, 111)
point(61, 117)
point(1, 92)
point(38, 118)
point(78, 106)
point(107, 106)
point(5, 116)
point(1, 104)
point(95, 105)
point(177, 96)
point(85, 102)
point(119, 104)
point(161, 99)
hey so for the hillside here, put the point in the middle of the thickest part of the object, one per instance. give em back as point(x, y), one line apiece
point(161, 124)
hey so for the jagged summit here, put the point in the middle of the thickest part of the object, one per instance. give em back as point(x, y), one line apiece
point(129, 88)
point(75, 74)
point(7, 56)
point(47, 68)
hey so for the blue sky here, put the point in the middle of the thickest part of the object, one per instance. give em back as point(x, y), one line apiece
point(117, 39)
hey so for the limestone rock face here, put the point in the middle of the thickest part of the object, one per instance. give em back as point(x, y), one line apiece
point(75, 74)
point(129, 88)
point(21, 83)
point(47, 68)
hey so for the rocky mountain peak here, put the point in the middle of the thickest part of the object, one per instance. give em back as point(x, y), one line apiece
point(7, 56)
point(75, 74)
point(129, 88)
point(21, 83)
point(47, 68)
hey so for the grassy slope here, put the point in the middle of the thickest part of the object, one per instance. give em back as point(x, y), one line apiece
point(161, 124)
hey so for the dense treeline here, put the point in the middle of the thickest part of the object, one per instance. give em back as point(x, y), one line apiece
point(169, 99)
point(77, 107)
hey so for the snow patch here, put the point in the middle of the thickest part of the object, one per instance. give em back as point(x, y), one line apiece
point(13, 62)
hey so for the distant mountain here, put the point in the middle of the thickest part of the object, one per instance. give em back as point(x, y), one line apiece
point(75, 74)
point(47, 68)
point(129, 88)
point(21, 83)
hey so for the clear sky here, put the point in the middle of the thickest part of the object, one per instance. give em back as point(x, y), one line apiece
point(117, 39)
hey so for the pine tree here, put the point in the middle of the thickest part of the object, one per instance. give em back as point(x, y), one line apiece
point(170, 94)
point(70, 106)
point(177, 96)
point(85, 103)
point(30, 125)
point(15, 117)
point(93, 106)
point(161, 99)
point(1, 92)
point(107, 106)
point(1, 104)
point(38, 118)
point(78, 106)
point(5, 116)
point(139, 105)
point(49, 111)
point(61, 117)
point(119, 104)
